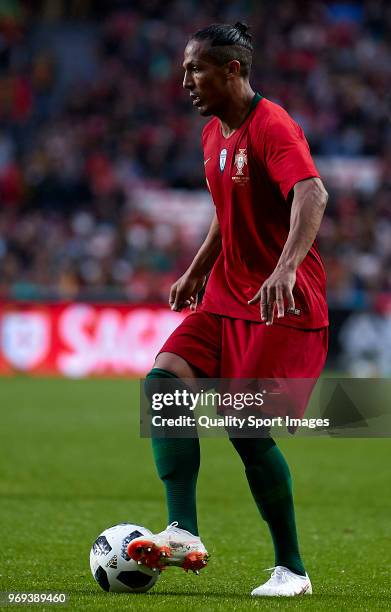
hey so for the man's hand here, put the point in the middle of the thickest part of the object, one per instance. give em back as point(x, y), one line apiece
point(309, 202)
point(272, 292)
point(185, 290)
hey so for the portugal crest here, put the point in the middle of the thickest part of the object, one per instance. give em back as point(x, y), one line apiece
point(241, 177)
point(240, 161)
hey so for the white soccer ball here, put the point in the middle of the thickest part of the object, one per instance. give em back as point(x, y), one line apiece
point(111, 566)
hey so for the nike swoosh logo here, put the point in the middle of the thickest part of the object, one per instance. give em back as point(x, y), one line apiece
point(206, 161)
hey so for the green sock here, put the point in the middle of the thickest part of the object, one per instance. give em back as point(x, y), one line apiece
point(177, 461)
point(270, 483)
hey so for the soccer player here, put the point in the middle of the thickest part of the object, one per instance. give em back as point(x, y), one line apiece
point(264, 312)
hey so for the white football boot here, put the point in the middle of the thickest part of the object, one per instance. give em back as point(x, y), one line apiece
point(284, 583)
point(173, 546)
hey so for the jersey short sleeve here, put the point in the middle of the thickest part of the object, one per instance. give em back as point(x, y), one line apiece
point(287, 155)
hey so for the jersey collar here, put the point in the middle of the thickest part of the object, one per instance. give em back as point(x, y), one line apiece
point(257, 98)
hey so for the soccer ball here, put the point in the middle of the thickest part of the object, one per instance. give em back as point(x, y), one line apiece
point(111, 566)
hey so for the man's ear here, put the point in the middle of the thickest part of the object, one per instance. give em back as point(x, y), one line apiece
point(233, 68)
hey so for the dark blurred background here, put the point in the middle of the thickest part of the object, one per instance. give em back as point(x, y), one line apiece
point(101, 177)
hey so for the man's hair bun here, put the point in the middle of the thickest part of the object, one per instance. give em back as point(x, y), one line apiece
point(241, 27)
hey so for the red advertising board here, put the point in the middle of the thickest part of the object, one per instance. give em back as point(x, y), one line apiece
point(79, 340)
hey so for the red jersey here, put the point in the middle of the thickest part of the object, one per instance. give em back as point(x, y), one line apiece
point(250, 175)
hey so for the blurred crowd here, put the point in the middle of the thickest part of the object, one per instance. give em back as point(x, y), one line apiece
point(91, 111)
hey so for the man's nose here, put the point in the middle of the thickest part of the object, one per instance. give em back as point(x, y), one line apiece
point(187, 81)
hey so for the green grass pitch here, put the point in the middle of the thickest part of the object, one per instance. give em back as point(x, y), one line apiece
point(72, 464)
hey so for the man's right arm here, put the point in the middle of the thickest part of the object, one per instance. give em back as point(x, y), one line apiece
point(185, 290)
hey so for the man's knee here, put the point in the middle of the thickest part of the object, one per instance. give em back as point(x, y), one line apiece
point(176, 365)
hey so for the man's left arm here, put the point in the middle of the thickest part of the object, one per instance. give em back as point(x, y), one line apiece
point(309, 201)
